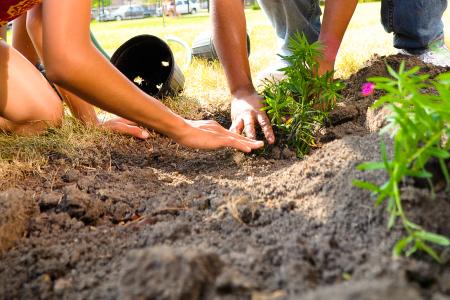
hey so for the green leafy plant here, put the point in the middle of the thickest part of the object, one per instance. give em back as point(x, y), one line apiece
point(419, 125)
point(298, 105)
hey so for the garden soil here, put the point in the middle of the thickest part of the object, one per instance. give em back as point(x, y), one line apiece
point(158, 221)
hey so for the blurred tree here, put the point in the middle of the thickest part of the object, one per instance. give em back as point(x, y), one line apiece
point(100, 3)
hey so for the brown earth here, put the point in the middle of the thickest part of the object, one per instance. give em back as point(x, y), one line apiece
point(158, 221)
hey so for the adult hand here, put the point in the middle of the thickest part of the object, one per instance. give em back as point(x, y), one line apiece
point(210, 135)
point(124, 126)
point(246, 113)
point(325, 65)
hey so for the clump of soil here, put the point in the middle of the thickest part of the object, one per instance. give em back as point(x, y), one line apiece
point(172, 274)
point(158, 221)
point(16, 210)
point(367, 290)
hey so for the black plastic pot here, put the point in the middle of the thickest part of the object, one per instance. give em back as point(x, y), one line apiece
point(148, 61)
point(203, 47)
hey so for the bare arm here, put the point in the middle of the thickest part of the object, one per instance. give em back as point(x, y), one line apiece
point(229, 27)
point(231, 44)
point(336, 18)
point(74, 63)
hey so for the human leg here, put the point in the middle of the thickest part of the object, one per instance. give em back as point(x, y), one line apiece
point(28, 104)
point(415, 23)
point(289, 17)
point(293, 16)
point(21, 40)
point(417, 27)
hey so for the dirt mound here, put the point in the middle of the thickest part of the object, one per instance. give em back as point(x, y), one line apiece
point(224, 225)
point(366, 290)
point(165, 273)
point(352, 115)
point(377, 67)
point(16, 210)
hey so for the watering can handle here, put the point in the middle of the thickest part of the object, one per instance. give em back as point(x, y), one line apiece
point(171, 38)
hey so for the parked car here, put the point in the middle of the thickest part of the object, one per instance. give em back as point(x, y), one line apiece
point(149, 11)
point(123, 13)
point(182, 7)
point(187, 7)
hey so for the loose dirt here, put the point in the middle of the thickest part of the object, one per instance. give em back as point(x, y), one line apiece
point(158, 221)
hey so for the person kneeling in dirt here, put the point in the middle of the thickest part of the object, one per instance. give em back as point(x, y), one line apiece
point(29, 105)
point(417, 27)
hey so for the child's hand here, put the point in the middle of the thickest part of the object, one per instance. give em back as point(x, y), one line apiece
point(124, 126)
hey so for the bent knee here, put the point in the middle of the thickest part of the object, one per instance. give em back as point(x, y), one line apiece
point(40, 116)
point(38, 125)
point(53, 116)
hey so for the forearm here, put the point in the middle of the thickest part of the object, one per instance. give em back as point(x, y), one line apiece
point(336, 18)
point(229, 33)
point(102, 85)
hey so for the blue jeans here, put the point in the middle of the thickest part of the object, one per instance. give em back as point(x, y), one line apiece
point(415, 23)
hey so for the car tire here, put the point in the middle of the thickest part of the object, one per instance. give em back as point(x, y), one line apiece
point(193, 11)
point(118, 18)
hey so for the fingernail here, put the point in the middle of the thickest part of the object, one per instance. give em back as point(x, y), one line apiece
point(145, 134)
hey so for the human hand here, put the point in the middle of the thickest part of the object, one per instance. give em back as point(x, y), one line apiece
point(210, 135)
point(124, 126)
point(245, 112)
point(325, 65)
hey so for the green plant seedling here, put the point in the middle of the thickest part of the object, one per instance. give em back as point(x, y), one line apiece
point(419, 125)
point(298, 105)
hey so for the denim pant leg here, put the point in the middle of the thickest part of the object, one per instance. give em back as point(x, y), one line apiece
point(415, 23)
point(292, 16)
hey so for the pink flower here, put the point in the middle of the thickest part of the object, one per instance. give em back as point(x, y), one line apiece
point(367, 89)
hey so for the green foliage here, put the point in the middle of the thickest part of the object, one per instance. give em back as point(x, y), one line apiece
point(419, 124)
point(299, 104)
point(100, 3)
